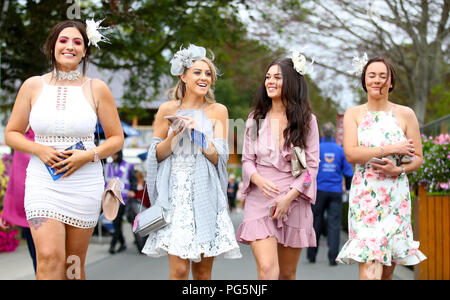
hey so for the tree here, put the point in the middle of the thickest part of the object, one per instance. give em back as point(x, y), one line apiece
point(143, 35)
point(413, 34)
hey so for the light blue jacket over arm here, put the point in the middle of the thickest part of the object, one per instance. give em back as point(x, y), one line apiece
point(210, 185)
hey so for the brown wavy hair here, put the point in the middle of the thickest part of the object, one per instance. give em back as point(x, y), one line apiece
point(391, 73)
point(49, 46)
point(294, 96)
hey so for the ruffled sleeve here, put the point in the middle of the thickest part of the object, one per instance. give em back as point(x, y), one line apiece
point(248, 155)
point(306, 183)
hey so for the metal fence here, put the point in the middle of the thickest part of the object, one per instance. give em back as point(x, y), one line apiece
point(436, 127)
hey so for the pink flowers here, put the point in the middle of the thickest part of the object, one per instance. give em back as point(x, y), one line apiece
point(368, 202)
point(357, 179)
point(443, 139)
point(369, 218)
point(8, 242)
point(385, 198)
point(367, 122)
point(435, 170)
point(404, 208)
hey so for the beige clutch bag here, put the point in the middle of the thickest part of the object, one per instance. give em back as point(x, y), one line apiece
point(298, 161)
point(111, 198)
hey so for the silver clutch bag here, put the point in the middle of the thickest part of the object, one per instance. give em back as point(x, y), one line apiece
point(149, 220)
point(298, 161)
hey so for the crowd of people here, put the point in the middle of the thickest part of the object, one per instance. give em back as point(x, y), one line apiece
point(186, 168)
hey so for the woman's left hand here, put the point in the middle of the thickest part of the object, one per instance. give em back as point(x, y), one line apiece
point(282, 207)
point(77, 159)
point(388, 169)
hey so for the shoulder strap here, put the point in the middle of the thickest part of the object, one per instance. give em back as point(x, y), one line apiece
point(143, 195)
point(98, 131)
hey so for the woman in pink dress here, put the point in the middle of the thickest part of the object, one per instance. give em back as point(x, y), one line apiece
point(281, 118)
point(14, 210)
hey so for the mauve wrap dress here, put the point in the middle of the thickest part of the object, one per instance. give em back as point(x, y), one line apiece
point(263, 156)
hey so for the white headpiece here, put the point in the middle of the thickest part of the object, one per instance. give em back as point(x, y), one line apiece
point(299, 61)
point(93, 34)
point(185, 58)
point(358, 64)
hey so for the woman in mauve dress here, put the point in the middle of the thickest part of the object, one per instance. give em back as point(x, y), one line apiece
point(280, 119)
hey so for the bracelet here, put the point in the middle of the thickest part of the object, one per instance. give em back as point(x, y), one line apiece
point(382, 152)
point(403, 171)
point(96, 157)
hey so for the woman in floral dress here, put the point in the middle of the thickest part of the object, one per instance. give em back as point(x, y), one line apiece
point(380, 233)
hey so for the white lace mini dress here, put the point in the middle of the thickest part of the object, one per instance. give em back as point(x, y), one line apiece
point(61, 117)
point(179, 237)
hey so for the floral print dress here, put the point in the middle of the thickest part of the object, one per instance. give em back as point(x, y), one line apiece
point(379, 205)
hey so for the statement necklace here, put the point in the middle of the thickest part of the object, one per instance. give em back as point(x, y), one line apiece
point(71, 76)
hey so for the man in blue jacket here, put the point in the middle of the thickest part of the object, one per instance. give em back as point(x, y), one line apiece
point(333, 166)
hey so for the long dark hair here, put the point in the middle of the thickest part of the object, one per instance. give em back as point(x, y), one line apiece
point(294, 96)
point(49, 46)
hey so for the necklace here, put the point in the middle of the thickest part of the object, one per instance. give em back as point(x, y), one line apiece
point(71, 76)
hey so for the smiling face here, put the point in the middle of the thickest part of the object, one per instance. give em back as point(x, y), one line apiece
point(274, 82)
point(69, 49)
point(378, 81)
point(198, 78)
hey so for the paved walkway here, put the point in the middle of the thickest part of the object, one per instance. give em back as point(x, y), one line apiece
point(130, 265)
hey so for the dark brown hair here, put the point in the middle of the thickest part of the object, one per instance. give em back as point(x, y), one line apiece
point(294, 96)
point(49, 46)
point(391, 73)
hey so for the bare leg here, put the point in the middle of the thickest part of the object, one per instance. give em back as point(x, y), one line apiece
point(288, 260)
point(203, 269)
point(179, 268)
point(266, 256)
point(388, 272)
point(370, 271)
point(77, 243)
point(49, 238)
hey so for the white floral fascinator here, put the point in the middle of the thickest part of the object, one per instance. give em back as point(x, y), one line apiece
point(358, 64)
point(185, 58)
point(93, 33)
point(300, 65)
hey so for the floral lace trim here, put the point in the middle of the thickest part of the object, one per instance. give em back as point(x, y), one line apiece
point(179, 237)
point(62, 139)
point(43, 213)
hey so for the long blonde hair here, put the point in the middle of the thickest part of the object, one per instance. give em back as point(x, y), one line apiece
point(178, 92)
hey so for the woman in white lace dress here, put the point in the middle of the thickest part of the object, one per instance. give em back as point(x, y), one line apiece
point(187, 178)
point(62, 108)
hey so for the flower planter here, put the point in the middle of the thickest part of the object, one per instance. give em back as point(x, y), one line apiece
point(432, 219)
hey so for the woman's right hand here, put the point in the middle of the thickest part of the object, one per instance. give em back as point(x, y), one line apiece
point(49, 155)
point(3, 224)
point(267, 187)
point(402, 148)
point(178, 125)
